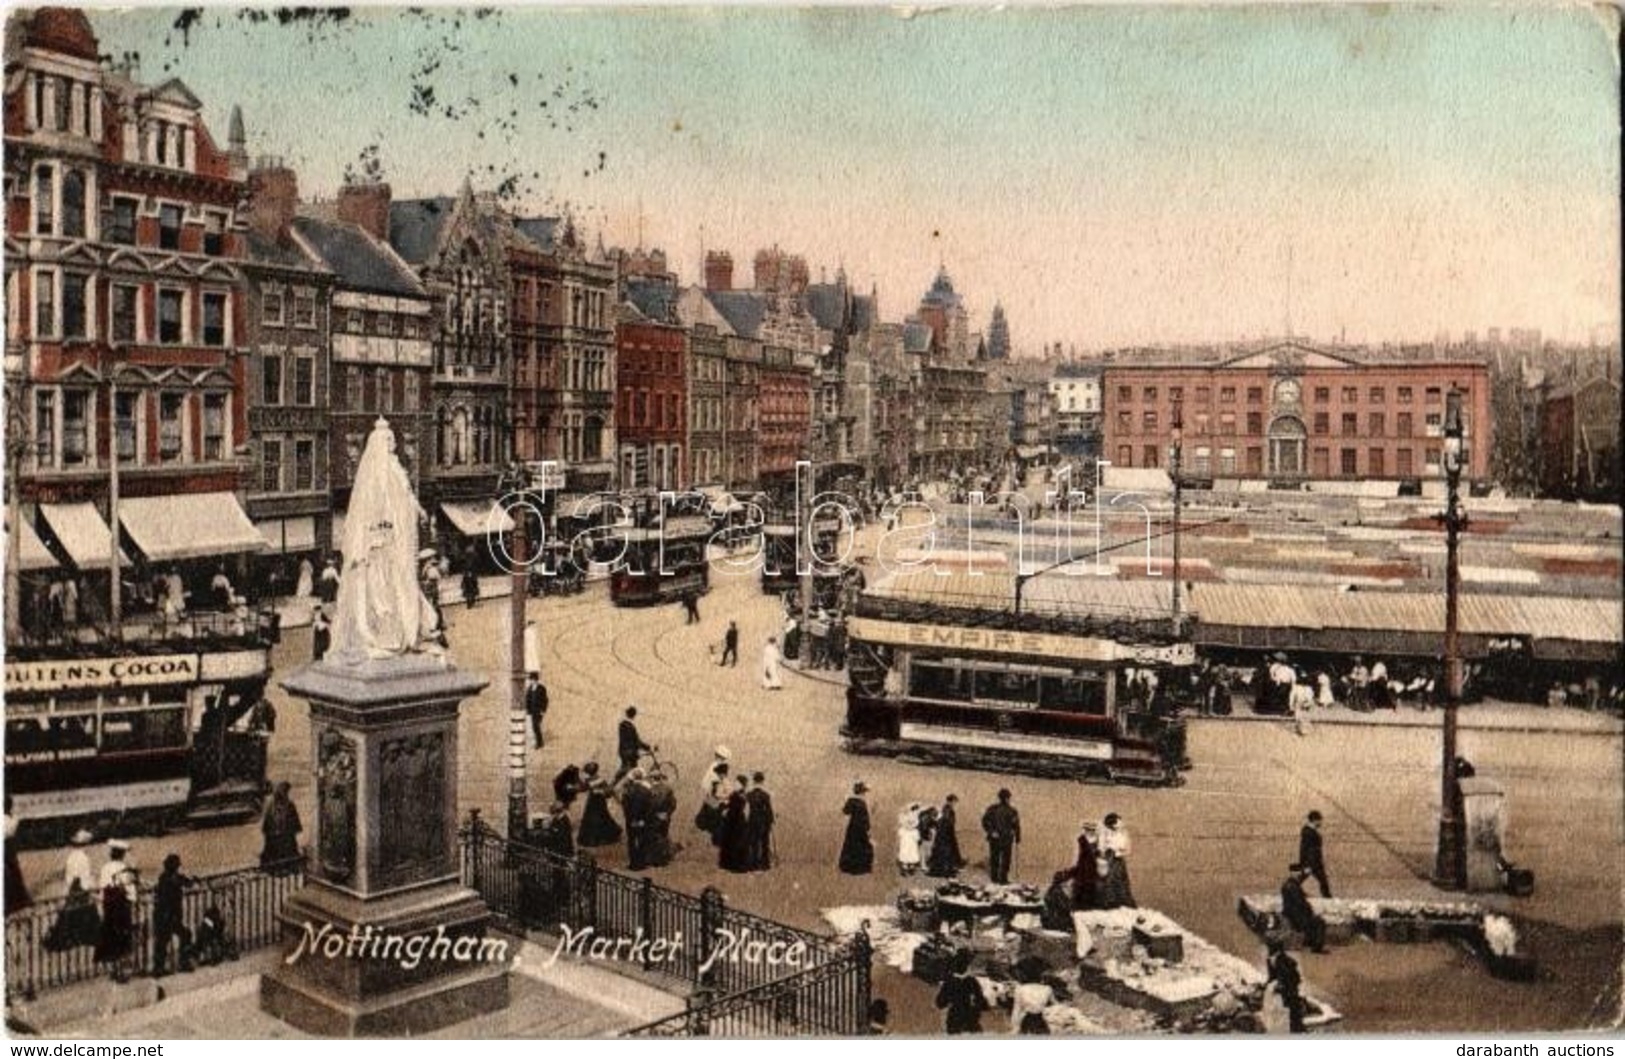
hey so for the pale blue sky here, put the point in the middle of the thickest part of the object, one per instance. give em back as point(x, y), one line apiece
point(1114, 175)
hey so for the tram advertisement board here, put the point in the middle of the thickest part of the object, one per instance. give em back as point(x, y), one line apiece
point(69, 674)
point(1008, 641)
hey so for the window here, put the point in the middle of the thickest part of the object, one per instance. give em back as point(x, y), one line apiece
point(1255, 460)
point(1405, 395)
point(271, 465)
point(1149, 422)
point(304, 464)
point(380, 379)
point(171, 304)
point(214, 233)
point(1125, 456)
point(1349, 459)
point(1227, 395)
point(1322, 463)
point(1377, 395)
point(1402, 424)
point(1351, 394)
point(304, 309)
point(1402, 463)
point(1149, 394)
point(120, 227)
point(1227, 422)
point(304, 381)
point(1255, 395)
point(1323, 394)
point(1376, 425)
point(122, 321)
point(1176, 393)
point(1204, 423)
point(1203, 462)
point(1435, 395)
point(1125, 394)
point(214, 319)
point(74, 291)
point(1151, 454)
point(126, 411)
point(1351, 424)
point(214, 426)
point(1255, 422)
point(1204, 394)
point(171, 434)
point(1227, 461)
point(1432, 459)
point(75, 427)
point(1435, 424)
point(353, 394)
point(44, 201)
point(169, 227)
point(45, 428)
point(271, 307)
point(45, 304)
point(73, 204)
point(1375, 464)
point(271, 378)
point(1323, 424)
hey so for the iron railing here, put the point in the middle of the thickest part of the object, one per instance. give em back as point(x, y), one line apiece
point(721, 951)
point(830, 999)
point(248, 900)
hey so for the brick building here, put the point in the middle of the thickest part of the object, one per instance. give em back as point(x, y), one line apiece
point(651, 405)
point(125, 317)
point(1579, 440)
point(707, 405)
point(1292, 412)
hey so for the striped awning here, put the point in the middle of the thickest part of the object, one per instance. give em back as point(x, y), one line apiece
point(189, 526)
point(32, 553)
point(478, 518)
point(82, 533)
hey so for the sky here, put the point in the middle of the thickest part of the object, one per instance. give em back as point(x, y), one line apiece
point(1112, 175)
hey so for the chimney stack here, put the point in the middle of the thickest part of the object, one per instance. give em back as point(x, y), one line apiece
point(719, 270)
point(273, 196)
point(367, 207)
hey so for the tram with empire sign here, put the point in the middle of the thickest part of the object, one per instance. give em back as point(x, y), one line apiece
point(146, 733)
point(1076, 680)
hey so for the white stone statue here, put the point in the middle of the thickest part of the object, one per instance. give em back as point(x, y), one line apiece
point(381, 608)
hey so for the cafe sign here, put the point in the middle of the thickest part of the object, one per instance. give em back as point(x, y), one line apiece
point(76, 673)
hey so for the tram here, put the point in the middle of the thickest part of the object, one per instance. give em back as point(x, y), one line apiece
point(779, 558)
point(661, 563)
point(947, 667)
point(149, 733)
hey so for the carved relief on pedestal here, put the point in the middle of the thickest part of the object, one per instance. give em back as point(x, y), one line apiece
point(336, 789)
point(411, 804)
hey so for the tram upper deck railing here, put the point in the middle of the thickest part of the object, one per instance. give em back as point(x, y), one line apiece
point(198, 631)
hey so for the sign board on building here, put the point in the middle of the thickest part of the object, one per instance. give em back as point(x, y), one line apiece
point(77, 673)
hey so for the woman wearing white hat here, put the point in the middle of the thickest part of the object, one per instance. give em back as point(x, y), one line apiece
point(78, 923)
point(119, 890)
point(908, 839)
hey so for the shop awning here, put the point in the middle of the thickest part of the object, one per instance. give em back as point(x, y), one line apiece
point(31, 551)
point(478, 518)
point(189, 526)
point(82, 534)
point(289, 534)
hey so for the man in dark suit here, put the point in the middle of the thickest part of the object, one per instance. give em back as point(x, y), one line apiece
point(628, 744)
point(1297, 911)
point(1002, 825)
point(1311, 854)
point(730, 646)
point(536, 706)
point(759, 825)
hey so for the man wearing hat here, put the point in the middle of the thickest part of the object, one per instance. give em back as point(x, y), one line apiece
point(628, 743)
point(536, 706)
point(1311, 854)
point(321, 634)
point(637, 806)
point(168, 922)
point(1002, 825)
point(1297, 911)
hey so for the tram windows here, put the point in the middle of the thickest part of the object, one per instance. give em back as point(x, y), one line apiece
point(929, 680)
point(1008, 688)
point(159, 729)
point(1084, 693)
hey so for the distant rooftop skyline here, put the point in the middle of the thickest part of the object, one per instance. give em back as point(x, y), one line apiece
point(1114, 176)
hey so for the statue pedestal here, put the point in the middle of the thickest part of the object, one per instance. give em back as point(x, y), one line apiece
point(384, 940)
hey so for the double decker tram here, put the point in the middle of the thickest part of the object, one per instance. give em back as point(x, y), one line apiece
point(779, 558)
point(945, 667)
point(147, 732)
point(661, 563)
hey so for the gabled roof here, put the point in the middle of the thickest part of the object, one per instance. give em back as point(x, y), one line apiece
point(263, 251)
point(694, 308)
point(415, 226)
point(744, 310)
point(1290, 354)
point(655, 301)
point(916, 337)
point(174, 90)
point(827, 304)
point(360, 261)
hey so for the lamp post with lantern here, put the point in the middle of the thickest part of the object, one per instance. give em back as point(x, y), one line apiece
point(1174, 454)
point(1450, 868)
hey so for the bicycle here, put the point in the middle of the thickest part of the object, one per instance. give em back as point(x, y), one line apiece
point(650, 762)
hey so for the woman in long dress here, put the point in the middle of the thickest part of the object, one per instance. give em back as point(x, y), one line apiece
point(598, 827)
point(1114, 890)
point(306, 584)
point(770, 665)
point(1086, 872)
point(662, 804)
point(117, 938)
point(1323, 694)
point(733, 840)
point(945, 861)
point(857, 852)
point(908, 840)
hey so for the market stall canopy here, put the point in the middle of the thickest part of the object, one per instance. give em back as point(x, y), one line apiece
point(189, 526)
point(82, 534)
point(31, 551)
point(477, 518)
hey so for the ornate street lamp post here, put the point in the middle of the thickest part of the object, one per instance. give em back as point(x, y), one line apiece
point(1450, 869)
point(513, 487)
